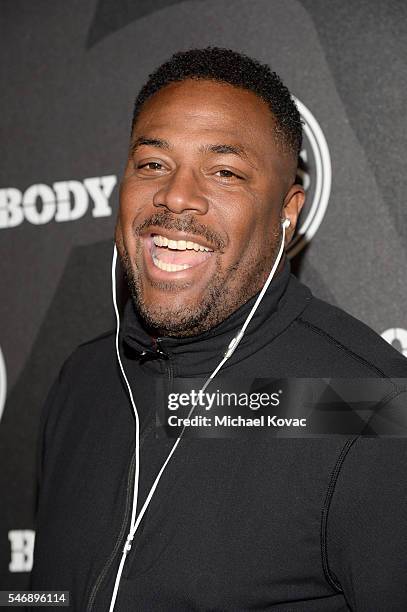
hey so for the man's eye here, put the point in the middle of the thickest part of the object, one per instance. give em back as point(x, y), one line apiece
point(150, 166)
point(227, 174)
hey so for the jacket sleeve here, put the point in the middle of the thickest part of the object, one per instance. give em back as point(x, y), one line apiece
point(49, 415)
point(48, 412)
point(366, 530)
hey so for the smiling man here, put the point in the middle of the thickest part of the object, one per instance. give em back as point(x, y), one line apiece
point(210, 172)
point(128, 520)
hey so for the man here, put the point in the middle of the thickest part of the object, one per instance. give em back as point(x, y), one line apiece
point(126, 522)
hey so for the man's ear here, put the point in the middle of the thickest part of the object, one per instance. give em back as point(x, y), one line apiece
point(293, 202)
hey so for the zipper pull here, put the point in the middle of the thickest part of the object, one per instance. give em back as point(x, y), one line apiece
point(159, 350)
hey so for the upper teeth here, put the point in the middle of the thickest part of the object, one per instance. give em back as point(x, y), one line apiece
point(179, 245)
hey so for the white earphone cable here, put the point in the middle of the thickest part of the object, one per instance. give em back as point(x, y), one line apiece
point(134, 523)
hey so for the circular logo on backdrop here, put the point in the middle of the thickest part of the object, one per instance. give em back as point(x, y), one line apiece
point(397, 337)
point(315, 174)
point(3, 383)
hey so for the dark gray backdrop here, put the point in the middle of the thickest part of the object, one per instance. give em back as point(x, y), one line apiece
point(70, 71)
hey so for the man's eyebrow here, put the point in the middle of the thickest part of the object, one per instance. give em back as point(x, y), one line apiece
point(151, 142)
point(227, 149)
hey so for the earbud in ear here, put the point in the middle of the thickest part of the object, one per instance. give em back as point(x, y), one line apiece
point(286, 223)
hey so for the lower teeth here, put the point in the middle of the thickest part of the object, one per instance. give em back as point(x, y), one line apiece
point(169, 267)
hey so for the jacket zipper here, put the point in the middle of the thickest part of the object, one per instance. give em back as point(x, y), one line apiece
point(168, 367)
point(130, 483)
point(119, 541)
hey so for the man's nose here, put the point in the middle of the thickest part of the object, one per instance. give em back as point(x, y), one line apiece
point(182, 192)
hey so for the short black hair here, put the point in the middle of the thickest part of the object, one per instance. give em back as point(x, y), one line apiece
point(227, 66)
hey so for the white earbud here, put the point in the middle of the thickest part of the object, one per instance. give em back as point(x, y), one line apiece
point(286, 223)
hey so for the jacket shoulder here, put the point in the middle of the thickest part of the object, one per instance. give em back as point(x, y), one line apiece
point(350, 335)
point(99, 341)
point(91, 353)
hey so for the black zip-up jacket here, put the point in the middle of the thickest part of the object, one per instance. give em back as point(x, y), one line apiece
point(255, 523)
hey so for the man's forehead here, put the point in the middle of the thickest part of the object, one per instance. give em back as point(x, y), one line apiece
point(209, 104)
point(205, 114)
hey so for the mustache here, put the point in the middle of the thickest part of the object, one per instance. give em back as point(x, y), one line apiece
point(186, 224)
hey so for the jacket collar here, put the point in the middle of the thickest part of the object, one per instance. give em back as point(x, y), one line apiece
point(283, 301)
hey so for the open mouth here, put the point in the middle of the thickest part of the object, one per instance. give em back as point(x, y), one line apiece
point(171, 255)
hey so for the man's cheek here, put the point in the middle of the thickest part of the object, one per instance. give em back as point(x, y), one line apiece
point(246, 246)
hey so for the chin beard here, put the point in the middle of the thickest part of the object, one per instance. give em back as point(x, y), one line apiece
point(183, 322)
point(219, 301)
